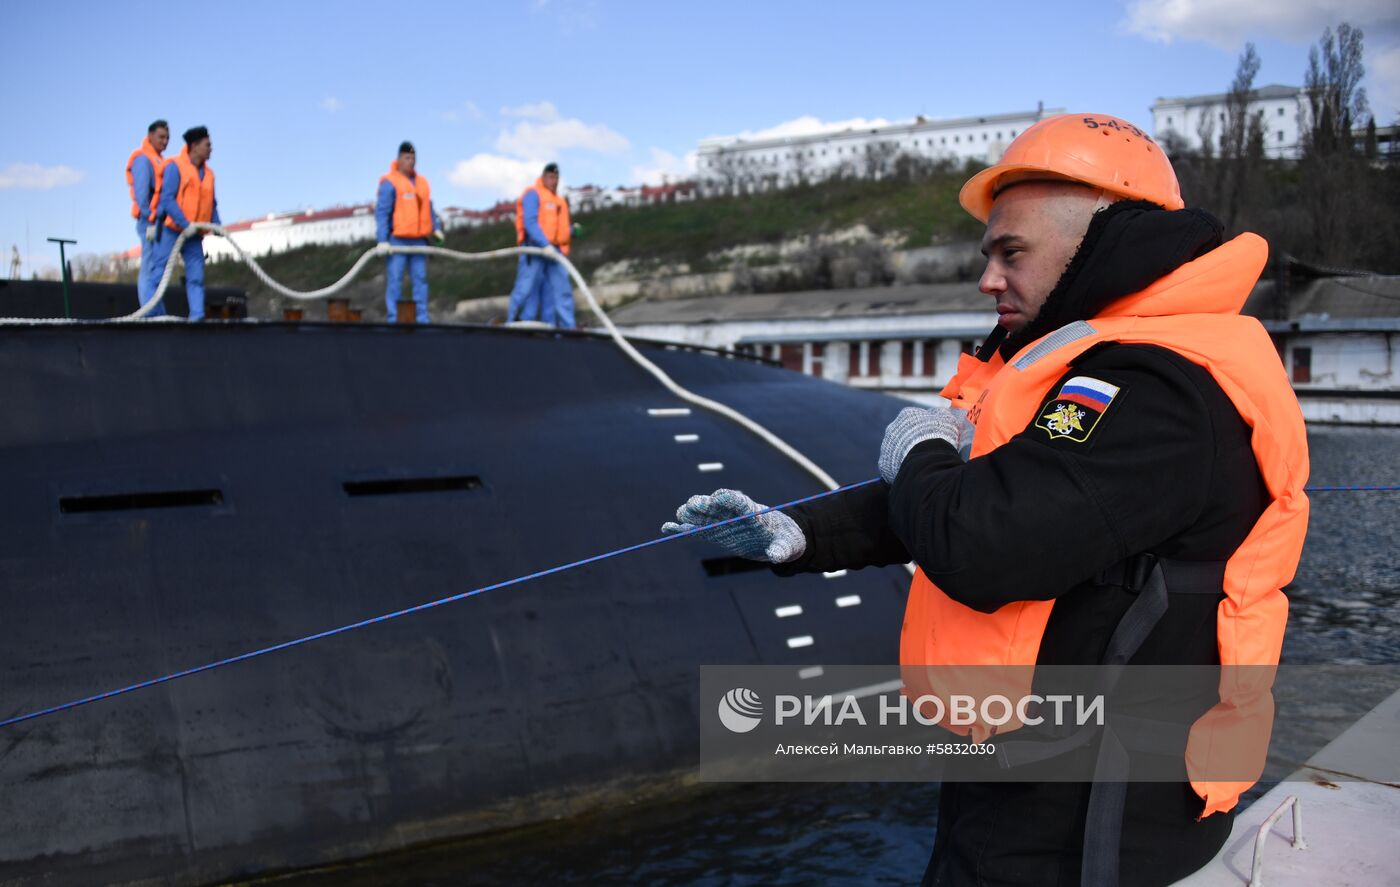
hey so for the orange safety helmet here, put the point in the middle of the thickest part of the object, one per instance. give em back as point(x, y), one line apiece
point(1095, 149)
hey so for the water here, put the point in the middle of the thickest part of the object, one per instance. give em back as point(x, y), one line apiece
point(1345, 609)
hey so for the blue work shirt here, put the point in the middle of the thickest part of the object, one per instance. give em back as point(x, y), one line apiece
point(169, 187)
point(384, 211)
point(143, 182)
point(530, 209)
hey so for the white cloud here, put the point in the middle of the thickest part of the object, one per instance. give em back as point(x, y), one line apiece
point(546, 139)
point(1383, 72)
point(331, 104)
point(664, 166)
point(804, 126)
point(533, 111)
point(465, 111)
point(502, 176)
point(1229, 25)
point(36, 177)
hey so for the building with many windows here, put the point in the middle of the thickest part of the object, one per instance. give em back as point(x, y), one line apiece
point(1339, 337)
point(1189, 121)
point(903, 340)
point(736, 165)
point(279, 232)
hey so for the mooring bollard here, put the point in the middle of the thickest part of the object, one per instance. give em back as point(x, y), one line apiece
point(406, 311)
point(338, 310)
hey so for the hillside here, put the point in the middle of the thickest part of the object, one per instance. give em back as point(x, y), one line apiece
point(693, 236)
point(849, 232)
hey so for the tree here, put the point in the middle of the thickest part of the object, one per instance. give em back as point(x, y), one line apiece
point(1241, 140)
point(1333, 85)
point(726, 169)
point(1343, 199)
point(879, 159)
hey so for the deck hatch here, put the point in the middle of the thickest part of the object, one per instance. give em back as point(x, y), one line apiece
point(405, 485)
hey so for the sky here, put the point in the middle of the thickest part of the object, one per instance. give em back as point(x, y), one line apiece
point(306, 103)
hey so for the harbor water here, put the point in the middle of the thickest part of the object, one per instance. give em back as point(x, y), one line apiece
point(1344, 609)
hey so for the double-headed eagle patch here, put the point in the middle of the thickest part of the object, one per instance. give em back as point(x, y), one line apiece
point(1074, 412)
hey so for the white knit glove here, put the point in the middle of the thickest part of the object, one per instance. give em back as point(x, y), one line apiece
point(913, 426)
point(773, 537)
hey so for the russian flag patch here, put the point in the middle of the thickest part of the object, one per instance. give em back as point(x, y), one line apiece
point(1075, 410)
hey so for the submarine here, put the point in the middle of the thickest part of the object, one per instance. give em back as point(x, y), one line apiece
point(179, 494)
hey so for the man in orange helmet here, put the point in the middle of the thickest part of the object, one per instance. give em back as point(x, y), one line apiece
point(1118, 480)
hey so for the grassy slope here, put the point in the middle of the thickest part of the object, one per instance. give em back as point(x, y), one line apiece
point(923, 211)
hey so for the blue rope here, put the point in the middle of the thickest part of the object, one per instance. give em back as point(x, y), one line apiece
point(209, 666)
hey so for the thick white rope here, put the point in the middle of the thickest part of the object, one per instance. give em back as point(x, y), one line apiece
point(383, 249)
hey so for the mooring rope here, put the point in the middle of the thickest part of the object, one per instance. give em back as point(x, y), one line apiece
point(385, 249)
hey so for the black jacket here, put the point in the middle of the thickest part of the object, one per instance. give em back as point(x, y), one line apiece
point(1166, 469)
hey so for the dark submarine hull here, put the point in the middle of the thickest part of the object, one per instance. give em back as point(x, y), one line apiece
point(177, 494)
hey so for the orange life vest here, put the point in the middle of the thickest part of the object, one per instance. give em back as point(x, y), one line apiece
point(195, 196)
point(1193, 311)
point(554, 217)
point(413, 204)
point(150, 153)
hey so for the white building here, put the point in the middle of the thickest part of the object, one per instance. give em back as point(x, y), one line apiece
point(279, 232)
point(902, 340)
point(741, 165)
point(1340, 342)
point(1338, 337)
point(1282, 113)
point(588, 198)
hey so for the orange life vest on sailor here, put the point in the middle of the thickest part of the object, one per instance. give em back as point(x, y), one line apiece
point(195, 195)
point(554, 217)
point(413, 204)
point(156, 160)
point(1193, 311)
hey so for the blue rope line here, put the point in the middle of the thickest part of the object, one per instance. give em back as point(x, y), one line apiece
point(209, 666)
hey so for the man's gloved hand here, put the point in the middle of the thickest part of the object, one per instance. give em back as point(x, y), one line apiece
point(913, 426)
point(151, 233)
point(773, 537)
point(381, 248)
point(439, 236)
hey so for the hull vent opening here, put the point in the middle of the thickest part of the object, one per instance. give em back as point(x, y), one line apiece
point(726, 566)
point(405, 485)
point(140, 501)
